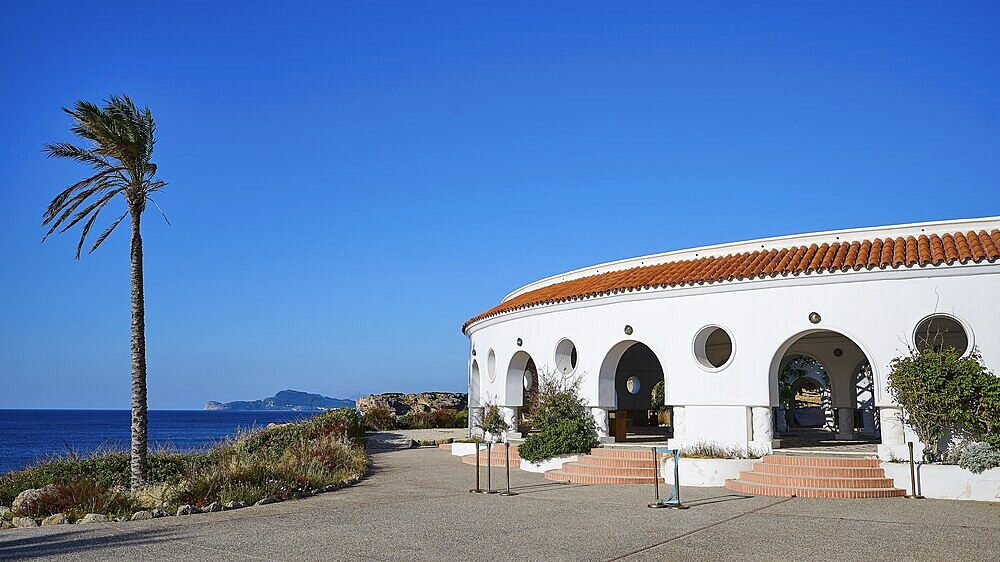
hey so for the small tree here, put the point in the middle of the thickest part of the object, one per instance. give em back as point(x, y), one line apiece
point(565, 424)
point(492, 423)
point(939, 390)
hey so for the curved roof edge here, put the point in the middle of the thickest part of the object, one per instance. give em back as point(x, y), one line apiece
point(913, 245)
point(806, 239)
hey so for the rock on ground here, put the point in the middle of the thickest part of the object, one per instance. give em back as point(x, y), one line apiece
point(55, 519)
point(234, 505)
point(213, 507)
point(94, 518)
point(265, 501)
point(28, 498)
point(185, 510)
point(423, 402)
point(24, 522)
point(142, 515)
point(157, 513)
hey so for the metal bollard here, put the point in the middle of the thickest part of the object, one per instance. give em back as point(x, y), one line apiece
point(913, 475)
point(477, 489)
point(506, 449)
point(489, 468)
point(674, 501)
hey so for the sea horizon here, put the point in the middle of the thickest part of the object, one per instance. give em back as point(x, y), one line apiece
point(33, 434)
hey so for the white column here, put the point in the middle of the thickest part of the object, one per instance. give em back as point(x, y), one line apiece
point(845, 422)
point(510, 416)
point(892, 427)
point(475, 414)
point(680, 424)
point(763, 424)
point(600, 416)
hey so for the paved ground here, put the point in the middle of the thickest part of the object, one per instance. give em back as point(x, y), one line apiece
point(415, 506)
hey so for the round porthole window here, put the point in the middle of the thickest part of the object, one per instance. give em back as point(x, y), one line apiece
point(940, 331)
point(529, 381)
point(565, 356)
point(632, 385)
point(491, 365)
point(713, 347)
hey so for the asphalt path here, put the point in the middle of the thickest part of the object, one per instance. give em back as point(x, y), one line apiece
point(415, 505)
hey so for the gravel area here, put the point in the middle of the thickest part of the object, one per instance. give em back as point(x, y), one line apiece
point(416, 506)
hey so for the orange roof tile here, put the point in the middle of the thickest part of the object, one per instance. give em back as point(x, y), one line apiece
point(829, 257)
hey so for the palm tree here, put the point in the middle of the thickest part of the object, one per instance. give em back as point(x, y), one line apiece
point(120, 145)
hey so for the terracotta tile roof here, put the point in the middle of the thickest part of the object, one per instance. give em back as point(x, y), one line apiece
point(932, 250)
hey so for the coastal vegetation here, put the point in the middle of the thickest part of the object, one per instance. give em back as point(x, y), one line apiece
point(119, 139)
point(272, 464)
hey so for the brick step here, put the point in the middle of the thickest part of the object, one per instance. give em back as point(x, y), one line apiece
point(813, 481)
point(846, 462)
point(592, 470)
point(497, 461)
point(623, 453)
point(562, 476)
point(613, 461)
point(821, 471)
point(805, 492)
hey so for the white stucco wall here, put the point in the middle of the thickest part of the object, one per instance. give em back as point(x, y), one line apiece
point(947, 481)
point(878, 310)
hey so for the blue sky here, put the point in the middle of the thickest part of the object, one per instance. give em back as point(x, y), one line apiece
point(349, 182)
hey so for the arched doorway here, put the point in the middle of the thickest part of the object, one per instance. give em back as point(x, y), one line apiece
point(822, 388)
point(629, 375)
point(522, 385)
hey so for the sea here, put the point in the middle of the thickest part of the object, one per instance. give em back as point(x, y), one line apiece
point(27, 436)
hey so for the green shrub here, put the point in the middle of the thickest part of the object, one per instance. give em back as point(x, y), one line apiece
point(940, 390)
point(568, 437)
point(979, 457)
point(380, 419)
point(564, 422)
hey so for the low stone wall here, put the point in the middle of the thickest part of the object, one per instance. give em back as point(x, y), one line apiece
point(950, 482)
point(704, 472)
point(555, 463)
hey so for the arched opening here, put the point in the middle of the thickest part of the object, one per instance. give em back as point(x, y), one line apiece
point(522, 389)
point(823, 390)
point(475, 384)
point(629, 375)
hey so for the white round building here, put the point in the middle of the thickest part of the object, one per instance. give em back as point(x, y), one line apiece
point(757, 343)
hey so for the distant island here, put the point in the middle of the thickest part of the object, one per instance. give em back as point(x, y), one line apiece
point(288, 400)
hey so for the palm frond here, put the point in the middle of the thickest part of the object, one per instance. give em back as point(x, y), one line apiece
point(86, 230)
point(106, 233)
point(83, 214)
point(162, 214)
point(119, 140)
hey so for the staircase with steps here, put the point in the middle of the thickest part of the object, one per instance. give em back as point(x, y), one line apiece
point(813, 476)
point(608, 466)
point(498, 456)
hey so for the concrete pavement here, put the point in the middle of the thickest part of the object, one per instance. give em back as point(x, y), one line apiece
point(415, 505)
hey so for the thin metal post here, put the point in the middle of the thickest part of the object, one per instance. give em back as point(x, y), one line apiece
point(477, 489)
point(657, 503)
point(489, 468)
point(506, 449)
point(677, 482)
point(913, 475)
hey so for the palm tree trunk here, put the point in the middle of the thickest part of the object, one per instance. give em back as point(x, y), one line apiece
point(139, 416)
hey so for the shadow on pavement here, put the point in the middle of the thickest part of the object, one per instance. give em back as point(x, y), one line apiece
point(717, 499)
point(77, 541)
